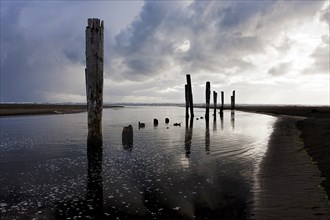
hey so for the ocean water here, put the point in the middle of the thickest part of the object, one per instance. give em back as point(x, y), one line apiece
point(198, 170)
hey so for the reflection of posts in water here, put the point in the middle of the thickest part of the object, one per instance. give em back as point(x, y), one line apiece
point(222, 103)
point(94, 80)
point(207, 138)
point(221, 121)
point(188, 136)
point(94, 196)
point(215, 125)
point(215, 97)
point(127, 138)
point(187, 141)
point(232, 117)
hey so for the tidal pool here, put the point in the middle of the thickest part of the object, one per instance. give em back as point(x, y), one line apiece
point(197, 170)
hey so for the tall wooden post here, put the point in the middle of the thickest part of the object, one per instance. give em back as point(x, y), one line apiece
point(234, 100)
point(191, 103)
point(186, 89)
point(94, 80)
point(222, 102)
point(207, 95)
point(215, 97)
point(232, 103)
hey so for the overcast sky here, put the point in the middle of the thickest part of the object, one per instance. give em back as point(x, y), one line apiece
point(270, 52)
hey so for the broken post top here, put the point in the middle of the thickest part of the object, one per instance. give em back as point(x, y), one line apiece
point(94, 43)
point(94, 23)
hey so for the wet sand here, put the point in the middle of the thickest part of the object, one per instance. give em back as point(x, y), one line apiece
point(288, 183)
point(315, 133)
point(293, 181)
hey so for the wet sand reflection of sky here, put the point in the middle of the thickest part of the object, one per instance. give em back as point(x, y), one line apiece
point(180, 172)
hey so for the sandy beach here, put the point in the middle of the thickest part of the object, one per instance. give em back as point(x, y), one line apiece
point(288, 183)
point(293, 181)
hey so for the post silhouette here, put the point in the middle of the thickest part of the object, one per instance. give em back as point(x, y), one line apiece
point(187, 98)
point(207, 96)
point(233, 101)
point(127, 137)
point(94, 80)
point(215, 97)
point(191, 103)
point(222, 102)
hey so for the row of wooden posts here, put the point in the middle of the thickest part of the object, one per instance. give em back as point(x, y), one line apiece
point(190, 103)
point(94, 84)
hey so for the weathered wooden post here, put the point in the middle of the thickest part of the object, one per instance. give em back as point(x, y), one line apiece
point(207, 96)
point(186, 89)
point(222, 102)
point(234, 100)
point(94, 80)
point(215, 97)
point(127, 137)
point(191, 103)
point(155, 122)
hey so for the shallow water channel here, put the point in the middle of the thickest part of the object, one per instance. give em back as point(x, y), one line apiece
point(196, 170)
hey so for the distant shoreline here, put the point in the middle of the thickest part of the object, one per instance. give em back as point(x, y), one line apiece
point(12, 109)
point(288, 110)
point(44, 109)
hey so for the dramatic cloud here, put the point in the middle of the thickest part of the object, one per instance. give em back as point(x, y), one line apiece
point(321, 55)
point(43, 48)
point(150, 46)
